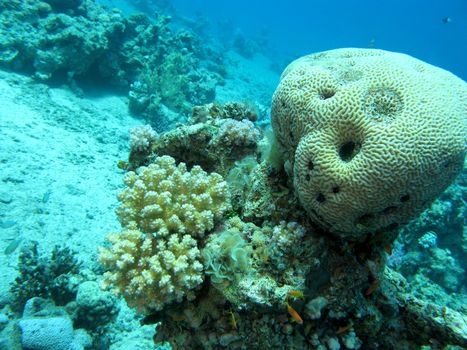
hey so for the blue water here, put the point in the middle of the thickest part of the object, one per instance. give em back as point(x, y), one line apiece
point(300, 27)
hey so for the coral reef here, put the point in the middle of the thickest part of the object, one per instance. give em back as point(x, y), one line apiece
point(370, 138)
point(142, 140)
point(44, 326)
point(215, 137)
point(56, 278)
point(267, 277)
point(165, 198)
point(176, 81)
point(94, 307)
point(237, 134)
point(44, 40)
point(161, 67)
point(156, 261)
point(149, 272)
point(430, 250)
point(54, 333)
point(226, 257)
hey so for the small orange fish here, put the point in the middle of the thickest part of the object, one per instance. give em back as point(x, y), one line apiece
point(233, 321)
point(344, 329)
point(388, 249)
point(373, 287)
point(295, 294)
point(296, 317)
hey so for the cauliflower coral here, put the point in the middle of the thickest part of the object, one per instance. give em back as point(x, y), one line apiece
point(165, 198)
point(155, 260)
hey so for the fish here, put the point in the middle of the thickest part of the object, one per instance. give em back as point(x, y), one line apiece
point(388, 249)
point(12, 246)
point(46, 196)
point(344, 329)
point(295, 316)
point(295, 294)
point(233, 321)
point(447, 19)
point(7, 223)
point(373, 287)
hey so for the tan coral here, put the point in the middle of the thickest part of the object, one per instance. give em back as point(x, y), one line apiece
point(165, 209)
point(150, 272)
point(370, 137)
point(166, 198)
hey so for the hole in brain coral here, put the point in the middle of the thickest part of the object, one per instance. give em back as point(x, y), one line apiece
point(389, 210)
point(405, 198)
point(365, 219)
point(336, 189)
point(320, 198)
point(307, 177)
point(326, 93)
point(310, 165)
point(348, 150)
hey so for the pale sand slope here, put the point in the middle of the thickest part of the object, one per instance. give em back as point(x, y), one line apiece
point(58, 154)
point(59, 179)
point(58, 171)
point(248, 80)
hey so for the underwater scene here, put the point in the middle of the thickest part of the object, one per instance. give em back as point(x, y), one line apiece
point(246, 175)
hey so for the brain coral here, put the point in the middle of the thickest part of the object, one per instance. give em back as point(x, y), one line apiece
point(370, 137)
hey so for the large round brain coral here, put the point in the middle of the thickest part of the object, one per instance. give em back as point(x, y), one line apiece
point(370, 137)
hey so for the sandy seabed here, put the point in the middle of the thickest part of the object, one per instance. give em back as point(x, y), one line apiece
point(59, 178)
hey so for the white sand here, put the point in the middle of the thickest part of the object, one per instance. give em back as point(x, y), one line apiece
point(58, 179)
point(58, 171)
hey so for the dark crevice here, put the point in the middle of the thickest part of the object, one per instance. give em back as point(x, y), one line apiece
point(326, 93)
point(310, 165)
point(348, 151)
point(320, 198)
point(365, 219)
point(389, 210)
point(405, 198)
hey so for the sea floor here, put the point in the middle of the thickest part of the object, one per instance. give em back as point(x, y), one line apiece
point(59, 177)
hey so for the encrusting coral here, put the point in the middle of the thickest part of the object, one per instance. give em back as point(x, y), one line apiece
point(371, 137)
point(165, 209)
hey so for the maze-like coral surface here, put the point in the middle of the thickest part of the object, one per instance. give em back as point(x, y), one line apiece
point(370, 137)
